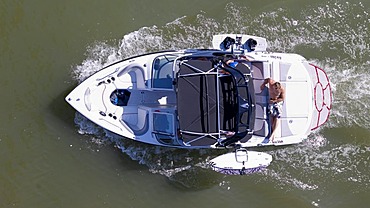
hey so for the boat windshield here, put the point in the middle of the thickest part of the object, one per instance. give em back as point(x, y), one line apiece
point(164, 128)
point(163, 123)
point(162, 76)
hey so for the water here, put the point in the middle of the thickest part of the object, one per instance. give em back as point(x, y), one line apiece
point(51, 156)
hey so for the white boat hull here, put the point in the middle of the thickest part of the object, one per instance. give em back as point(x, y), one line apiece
point(307, 104)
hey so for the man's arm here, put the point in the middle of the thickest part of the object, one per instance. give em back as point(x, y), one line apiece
point(267, 80)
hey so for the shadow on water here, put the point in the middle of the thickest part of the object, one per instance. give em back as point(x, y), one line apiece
point(60, 108)
point(184, 169)
point(195, 179)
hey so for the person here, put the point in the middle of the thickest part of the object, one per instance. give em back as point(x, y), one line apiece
point(277, 96)
point(233, 62)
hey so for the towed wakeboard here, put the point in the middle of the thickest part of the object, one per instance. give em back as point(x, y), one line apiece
point(241, 162)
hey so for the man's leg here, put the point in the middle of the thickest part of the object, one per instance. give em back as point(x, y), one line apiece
point(274, 126)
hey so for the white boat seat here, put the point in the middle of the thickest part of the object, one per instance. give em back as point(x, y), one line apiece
point(138, 122)
point(137, 75)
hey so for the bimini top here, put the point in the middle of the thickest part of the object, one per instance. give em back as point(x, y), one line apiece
point(215, 102)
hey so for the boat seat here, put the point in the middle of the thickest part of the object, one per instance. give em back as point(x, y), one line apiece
point(258, 75)
point(261, 126)
point(261, 111)
point(138, 122)
point(137, 75)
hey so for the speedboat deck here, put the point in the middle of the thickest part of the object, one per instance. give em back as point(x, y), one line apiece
point(197, 99)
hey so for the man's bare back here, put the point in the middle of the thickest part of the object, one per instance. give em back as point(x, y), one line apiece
point(276, 91)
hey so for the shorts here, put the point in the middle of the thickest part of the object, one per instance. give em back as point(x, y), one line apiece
point(275, 109)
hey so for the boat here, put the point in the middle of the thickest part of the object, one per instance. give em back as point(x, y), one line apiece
point(193, 98)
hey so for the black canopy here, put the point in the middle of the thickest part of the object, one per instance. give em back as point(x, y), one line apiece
point(212, 99)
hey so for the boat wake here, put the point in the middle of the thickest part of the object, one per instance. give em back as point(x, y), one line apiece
point(320, 164)
point(332, 36)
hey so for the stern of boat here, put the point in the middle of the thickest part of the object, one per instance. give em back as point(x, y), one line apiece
point(322, 94)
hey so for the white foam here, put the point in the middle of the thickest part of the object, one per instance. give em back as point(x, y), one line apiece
point(317, 159)
point(98, 55)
